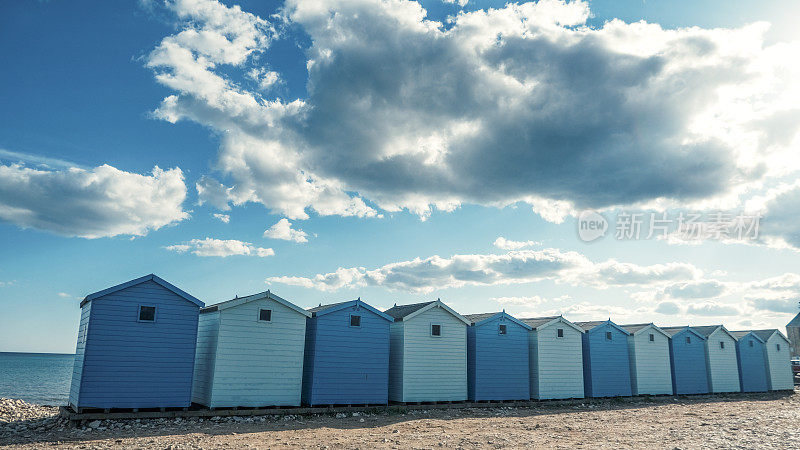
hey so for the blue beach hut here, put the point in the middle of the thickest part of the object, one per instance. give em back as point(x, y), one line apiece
point(497, 357)
point(136, 347)
point(687, 353)
point(606, 362)
point(346, 355)
point(751, 354)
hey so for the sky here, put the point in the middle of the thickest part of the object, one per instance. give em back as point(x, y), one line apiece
point(401, 152)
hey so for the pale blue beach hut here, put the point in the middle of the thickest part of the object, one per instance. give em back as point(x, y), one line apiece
point(556, 358)
point(779, 364)
point(687, 352)
point(427, 353)
point(250, 353)
point(347, 355)
point(497, 357)
point(721, 360)
point(136, 347)
point(606, 361)
point(648, 348)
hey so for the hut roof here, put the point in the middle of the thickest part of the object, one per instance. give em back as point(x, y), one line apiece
point(154, 278)
point(321, 310)
point(250, 298)
point(406, 312)
point(477, 319)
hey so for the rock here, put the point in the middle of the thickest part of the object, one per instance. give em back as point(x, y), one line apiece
point(93, 424)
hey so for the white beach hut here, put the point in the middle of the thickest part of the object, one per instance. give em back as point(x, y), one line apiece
point(427, 353)
point(250, 353)
point(648, 347)
point(556, 358)
point(778, 360)
point(723, 366)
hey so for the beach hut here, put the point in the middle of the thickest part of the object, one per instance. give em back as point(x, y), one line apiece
point(347, 355)
point(751, 354)
point(648, 348)
point(721, 360)
point(250, 353)
point(779, 364)
point(497, 357)
point(136, 346)
point(556, 358)
point(687, 352)
point(427, 353)
point(606, 361)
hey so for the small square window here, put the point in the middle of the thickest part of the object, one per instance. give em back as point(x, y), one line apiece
point(722, 345)
point(608, 335)
point(652, 337)
point(779, 347)
point(750, 342)
point(502, 329)
point(560, 332)
point(355, 321)
point(436, 330)
point(265, 315)
point(147, 313)
point(688, 339)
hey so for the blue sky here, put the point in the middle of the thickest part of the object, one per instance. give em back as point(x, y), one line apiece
point(388, 150)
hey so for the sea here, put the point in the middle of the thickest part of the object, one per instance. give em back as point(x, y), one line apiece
point(40, 378)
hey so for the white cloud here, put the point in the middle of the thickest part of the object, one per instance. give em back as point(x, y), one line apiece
point(220, 248)
point(528, 104)
point(506, 244)
point(64, 295)
point(515, 267)
point(91, 203)
point(224, 218)
point(283, 230)
point(529, 302)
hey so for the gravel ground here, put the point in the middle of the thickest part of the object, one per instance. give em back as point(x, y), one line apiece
point(735, 421)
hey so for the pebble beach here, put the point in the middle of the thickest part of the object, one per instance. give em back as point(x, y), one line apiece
point(763, 420)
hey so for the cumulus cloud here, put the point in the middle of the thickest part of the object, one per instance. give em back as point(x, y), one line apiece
point(523, 103)
point(524, 266)
point(224, 218)
point(711, 309)
point(507, 244)
point(91, 203)
point(220, 248)
point(64, 295)
point(529, 302)
point(283, 230)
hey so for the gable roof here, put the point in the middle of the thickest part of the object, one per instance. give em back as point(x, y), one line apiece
point(266, 295)
point(794, 322)
point(321, 310)
point(406, 312)
point(479, 319)
point(672, 331)
point(154, 278)
point(708, 330)
point(540, 322)
point(739, 335)
point(641, 327)
point(591, 325)
point(766, 334)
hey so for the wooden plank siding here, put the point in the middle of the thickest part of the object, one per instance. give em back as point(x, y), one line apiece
point(205, 358)
point(345, 364)
point(498, 366)
point(606, 363)
point(556, 363)
point(722, 363)
point(433, 368)
point(77, 367)
point(258, 363)
point(651, 372)
point(132, 364)
point(778, 363)
point(688, 363)
point(751, 356)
